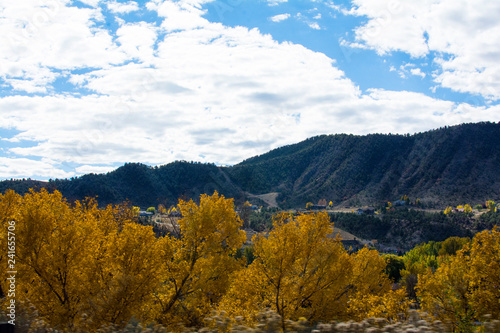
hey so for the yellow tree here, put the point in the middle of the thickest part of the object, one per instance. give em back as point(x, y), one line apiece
point(467, 208)
point(128, 277)
point(78, 259)
point(372, 295)
point(490, 205)
point(445, 294)
point(299, 271)
point(485, 272)
point(198, 264)
point(161, 209)
point(245, 214)
point(466, 286)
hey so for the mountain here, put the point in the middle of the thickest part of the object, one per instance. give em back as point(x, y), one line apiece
point(140, 184)
point(445, 166)
point(451, 165)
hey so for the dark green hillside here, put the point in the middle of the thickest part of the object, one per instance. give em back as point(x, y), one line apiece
point(405, 228)
point(447, 166)
point(444, 166)
point(142, 185)
point(146, 186)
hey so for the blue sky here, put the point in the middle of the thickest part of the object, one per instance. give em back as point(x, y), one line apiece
point(89, 85)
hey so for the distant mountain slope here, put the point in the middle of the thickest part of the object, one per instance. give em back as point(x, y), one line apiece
point(450, 165)
point(140, 184)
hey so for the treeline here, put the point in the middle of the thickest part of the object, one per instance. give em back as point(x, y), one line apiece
point(81, 268)
point(143, 185)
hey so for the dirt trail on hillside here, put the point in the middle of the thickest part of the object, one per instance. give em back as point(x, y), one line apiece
point(268, 198)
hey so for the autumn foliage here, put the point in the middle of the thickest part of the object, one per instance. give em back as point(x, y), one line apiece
point(83, 267)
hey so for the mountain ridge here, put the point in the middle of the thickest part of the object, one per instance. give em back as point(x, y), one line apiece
point(450, 165)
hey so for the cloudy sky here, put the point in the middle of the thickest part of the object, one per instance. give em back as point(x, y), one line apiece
point(88, 85)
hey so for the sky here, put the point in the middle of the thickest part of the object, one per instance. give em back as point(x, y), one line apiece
point(88, 85)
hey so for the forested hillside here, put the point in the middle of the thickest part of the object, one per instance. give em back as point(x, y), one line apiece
point(446, 166)
point(140, 184)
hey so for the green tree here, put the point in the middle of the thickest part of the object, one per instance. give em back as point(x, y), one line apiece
point(395, 264)
point(417, 261)
point(452, 245)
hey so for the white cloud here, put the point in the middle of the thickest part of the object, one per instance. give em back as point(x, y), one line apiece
point(28, 168)
point(409, 69)
point(280, 17)
point(84, 169)
point(184, 90)
point(275, 2)
point(314, 25)
point(181, 15)
point(417, 72)
point(92, 3)
point(304, 18)
point(38, 38)
point(137, 40)
point(122, 8)
point(464, 32)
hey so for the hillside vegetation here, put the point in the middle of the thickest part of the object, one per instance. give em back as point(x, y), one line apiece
point(442, 167)
point(448, 165)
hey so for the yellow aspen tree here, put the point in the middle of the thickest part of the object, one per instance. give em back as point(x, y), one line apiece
point(128, 277)
point(448, 210)
point(299, 271)
point(372, 294)
point(197, 265)
point(466, 286)
point(485, 272)
point(161, 209)
point(445, 294)
point(467, 208)
point(490, 205)
point(52, 243)
point(389, 304)
point(76, 259)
